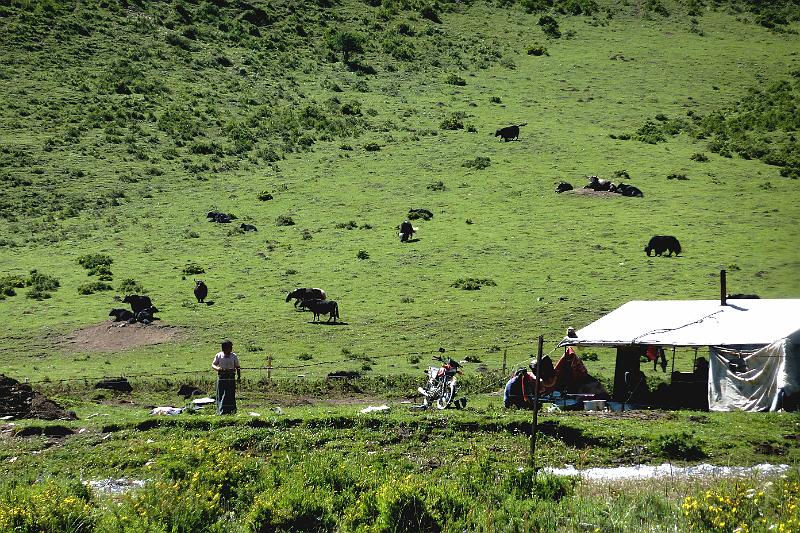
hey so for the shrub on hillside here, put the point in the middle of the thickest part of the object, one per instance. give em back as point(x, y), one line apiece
point(436, 186)
point(678, 446)
point(94, 261)
point(537, 49)
point(650, 133)
point(455, 79)
point(93, 287)
point(699, 157)
point(656, 7)
point(549, 26)
point(131, 286)
point(345, 42)
point(479, 163)
point(192, 269)
point(284, 220)
point(453, 122)
point(431, 12)
point(472, 284)
point(362, 254)
point(264, 196)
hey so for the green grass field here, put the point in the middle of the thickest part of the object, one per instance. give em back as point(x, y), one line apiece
point(123, 123)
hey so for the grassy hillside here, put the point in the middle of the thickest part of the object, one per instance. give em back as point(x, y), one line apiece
point(124, 123)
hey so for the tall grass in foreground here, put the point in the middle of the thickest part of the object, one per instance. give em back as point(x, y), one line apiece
point(208, 487)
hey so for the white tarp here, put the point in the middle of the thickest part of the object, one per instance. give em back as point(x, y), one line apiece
point(753, 381)
point(693, 323)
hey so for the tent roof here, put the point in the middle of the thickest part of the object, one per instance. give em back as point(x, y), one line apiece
point(693, 323)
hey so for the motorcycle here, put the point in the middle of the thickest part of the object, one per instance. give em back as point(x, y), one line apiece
point(442, 385)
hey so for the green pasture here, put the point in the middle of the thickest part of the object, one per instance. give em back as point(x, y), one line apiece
point(123, 122)
point(557, 260)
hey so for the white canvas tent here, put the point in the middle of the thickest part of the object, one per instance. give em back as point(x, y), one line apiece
point(767, 330)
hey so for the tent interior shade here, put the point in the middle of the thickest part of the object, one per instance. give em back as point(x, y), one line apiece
point(693, 323)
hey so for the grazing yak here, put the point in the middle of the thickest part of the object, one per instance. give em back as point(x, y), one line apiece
point(248, 227)
point(563, 187)
point(663, 243)
point(200, 290)
point(509, 132)
point(322, 307)
point(596, 184)
point(221, 218)
point(138, 303)
point(121, 315)
point(629, 190)
point(305, 293)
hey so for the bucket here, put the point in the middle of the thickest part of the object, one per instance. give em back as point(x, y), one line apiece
point(594, 405)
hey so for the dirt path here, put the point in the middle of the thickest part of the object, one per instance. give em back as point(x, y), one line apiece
point(114, 337)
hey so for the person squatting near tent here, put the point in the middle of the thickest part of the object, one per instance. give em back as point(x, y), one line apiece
point(226, 363)
point(568, 376)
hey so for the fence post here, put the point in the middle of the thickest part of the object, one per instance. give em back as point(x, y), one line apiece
point(535, 420)
point(269, 367)
point(505, 350)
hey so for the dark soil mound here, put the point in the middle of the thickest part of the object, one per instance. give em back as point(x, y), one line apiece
point(21, 401)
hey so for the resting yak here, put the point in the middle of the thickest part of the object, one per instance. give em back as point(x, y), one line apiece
point(303, 294)
point(663, 243)
point(564, 187)
point(629, 190)
point(121, 315)
point(322, 307)
point(509, 132)
point(597, 184)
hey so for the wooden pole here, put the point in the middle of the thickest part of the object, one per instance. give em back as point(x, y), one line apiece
point(535, 420)
point(269, 367)
point(723, 288)
point(673, 360)
point(505, 350)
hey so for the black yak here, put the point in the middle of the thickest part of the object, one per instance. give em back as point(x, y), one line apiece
point(121, 315)
point(629, 190)
point(138, 303)
point(406, 231)
point(663, 243)
point(303, 294)
point(248, 227)
point(509, 132)
point(200, 290)
point(563, 187)
point(323, 307)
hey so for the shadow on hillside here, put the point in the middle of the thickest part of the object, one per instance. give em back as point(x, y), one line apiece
point(330, 323)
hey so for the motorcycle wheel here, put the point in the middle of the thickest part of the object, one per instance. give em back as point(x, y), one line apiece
point(447, 396)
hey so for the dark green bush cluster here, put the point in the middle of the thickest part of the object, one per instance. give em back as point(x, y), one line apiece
point(479, 163)
point(676, 176)
point(97, 265)
point(537, 49)
point(362, 254)
point(41, 285)
point(699, 157)
point(455, 79)
point(453, 122)
point(131, 286)
point(678, 446)
point(473, 284)
point(372, 147)
point(93, 287)
point(549, 26)
point(284, 220)
point(620, 175)
point(656, 7)
point(565, 7)
point(760, 126)
point(264, 196)
point(437, 186)
point(347, 225)
point(192, 269)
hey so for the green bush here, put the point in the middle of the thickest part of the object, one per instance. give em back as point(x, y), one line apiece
point(131, 286)
point(452, 122)
point(537, 49)
point(93, 287)
point(437, 186)
point(372, 147)
point(192, 269)
point(549, 26)
point(479, 163)
point(401, 507)
point(472, 284)
point(455, 79)
point(347, 225)
point(284, 220)
point(92, 261)
point(362, 254)
point(678, 446)
point(699, 157)
point(48, 506)
point(650, 133)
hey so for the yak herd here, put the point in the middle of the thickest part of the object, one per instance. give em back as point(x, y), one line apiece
point(314, 299)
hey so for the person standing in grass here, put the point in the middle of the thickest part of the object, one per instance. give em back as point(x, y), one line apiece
point(227, 366)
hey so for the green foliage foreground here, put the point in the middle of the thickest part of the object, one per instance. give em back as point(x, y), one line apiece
point(199, 486)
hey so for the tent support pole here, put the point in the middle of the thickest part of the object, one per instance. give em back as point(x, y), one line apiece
point(535, 420)
point(673, 359)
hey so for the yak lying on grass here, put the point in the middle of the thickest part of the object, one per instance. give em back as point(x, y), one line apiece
point(564, 187)
point(663, 243)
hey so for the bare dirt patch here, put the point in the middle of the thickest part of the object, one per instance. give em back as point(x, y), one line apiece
point(114, 337)
point(592, 192)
